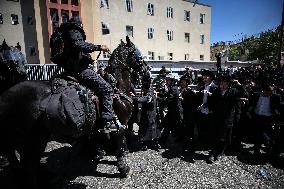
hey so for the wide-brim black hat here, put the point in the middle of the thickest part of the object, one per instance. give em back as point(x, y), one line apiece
point(225, 78)
point(208, 73)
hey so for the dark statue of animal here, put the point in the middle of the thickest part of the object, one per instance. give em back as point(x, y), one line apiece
point(26, 126)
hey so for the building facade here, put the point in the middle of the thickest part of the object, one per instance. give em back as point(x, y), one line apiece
point(17, 26)
point(162, 30)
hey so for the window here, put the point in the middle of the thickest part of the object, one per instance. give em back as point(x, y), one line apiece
point(129, 5)
point(14, 19)
point(150, 9)
point(75, 2)
point(54, 18)
point(187, 15)
point(105, 28)
point(202, 19)
point(104, 3)
point(30, 20)
point(129, 31)
point(170, 35)
point(150, 33)
point(187, 37)
point(201, 57)
point(170, 56)
point(64, 1)
point(53, 1)
point(32, 51)
point(1, 18)
point(169, 12)
point(64, 16)
point(160, 57)
point(186, 57)
point(202, 39)
point(151, 55)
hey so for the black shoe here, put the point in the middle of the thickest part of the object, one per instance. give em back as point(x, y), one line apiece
point(125, 172)
point(191, 158)
point(210, 159)
point(219, 157)
point(144, 148)
point(157, 146)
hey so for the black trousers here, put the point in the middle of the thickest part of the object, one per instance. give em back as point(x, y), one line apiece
point(262, 130)
point(223, 139)
point(102, 89)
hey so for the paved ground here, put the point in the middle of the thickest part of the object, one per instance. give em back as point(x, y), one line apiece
point(62, 167)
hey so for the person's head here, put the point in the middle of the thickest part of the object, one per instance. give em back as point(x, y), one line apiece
point(225, 83)
point(68, 43)
point(170, 80)
point(266, 90)
point(183, 83)
point(146, 82)
point(207, 77)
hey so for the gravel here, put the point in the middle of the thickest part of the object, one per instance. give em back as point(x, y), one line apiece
point(63, 167)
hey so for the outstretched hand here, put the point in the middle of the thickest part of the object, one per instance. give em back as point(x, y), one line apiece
point(104, 48)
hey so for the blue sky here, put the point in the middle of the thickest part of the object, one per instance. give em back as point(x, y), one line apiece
point(230, 18)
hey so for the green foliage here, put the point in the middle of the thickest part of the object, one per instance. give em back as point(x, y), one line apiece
point(265, 48)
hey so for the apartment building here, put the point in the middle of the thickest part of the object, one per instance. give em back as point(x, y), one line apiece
point(17, 26)
point(162, 29)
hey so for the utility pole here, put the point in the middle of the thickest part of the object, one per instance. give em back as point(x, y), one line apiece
point(281, 36)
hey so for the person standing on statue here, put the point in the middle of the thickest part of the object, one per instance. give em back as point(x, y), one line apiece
point(218, 63)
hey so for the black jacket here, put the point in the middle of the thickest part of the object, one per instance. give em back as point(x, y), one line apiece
point(148, 120)
point(174, 103)
point(224, 106)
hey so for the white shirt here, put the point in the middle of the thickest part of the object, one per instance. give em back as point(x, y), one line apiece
point(263, 106)
point(205, 110)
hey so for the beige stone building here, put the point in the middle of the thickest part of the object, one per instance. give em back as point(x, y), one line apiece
point(162, 29)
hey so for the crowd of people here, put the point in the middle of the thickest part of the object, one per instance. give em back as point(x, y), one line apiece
point(218, 111)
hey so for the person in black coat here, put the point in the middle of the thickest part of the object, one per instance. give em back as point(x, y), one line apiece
point(148, 131)
point(223, 105)
point(218, 63)
point(189, 105)
point(174, 116)
point(263, 109)
point(204, 116)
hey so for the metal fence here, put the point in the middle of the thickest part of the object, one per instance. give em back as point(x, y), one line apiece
point(47, 71)
point(42, 71)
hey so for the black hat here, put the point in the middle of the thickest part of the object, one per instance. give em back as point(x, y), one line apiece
point(225, 78)
point(208, 73)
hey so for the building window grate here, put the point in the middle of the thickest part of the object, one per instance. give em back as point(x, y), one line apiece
point(129, 31)
point(105, 29)
point(150, 33)
point(129, 5)
point(150, 9)
point(14, 19)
